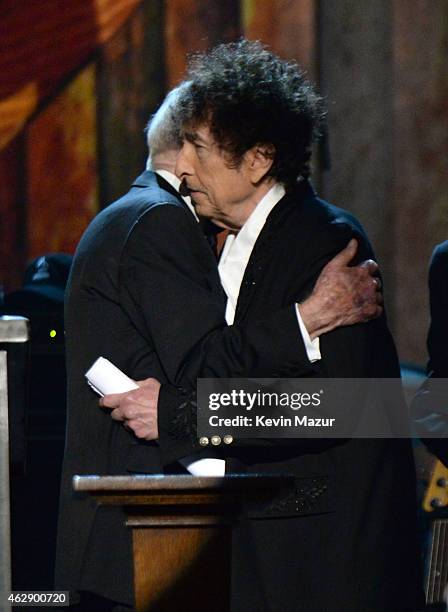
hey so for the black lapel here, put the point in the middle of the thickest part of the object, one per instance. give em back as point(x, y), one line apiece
point(163, 184)
point(253, 275)
point(266, 245)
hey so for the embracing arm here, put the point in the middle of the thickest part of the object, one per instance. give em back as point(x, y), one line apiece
point(347, 351)
point(170, 287)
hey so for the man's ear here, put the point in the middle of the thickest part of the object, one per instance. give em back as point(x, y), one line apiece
point(259, 160)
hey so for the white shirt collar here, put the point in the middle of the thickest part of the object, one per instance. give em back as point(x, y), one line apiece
point(175, 182)
point(238, 248)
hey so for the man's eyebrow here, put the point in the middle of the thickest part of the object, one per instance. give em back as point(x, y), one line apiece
point(193, 137)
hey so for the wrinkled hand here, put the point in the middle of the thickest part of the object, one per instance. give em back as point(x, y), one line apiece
point(137, 409)
point(343, 294)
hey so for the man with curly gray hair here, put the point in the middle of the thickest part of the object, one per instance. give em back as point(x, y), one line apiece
point(145, 293)
point(338, 542)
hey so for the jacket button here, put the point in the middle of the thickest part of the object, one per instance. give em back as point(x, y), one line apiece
point(228, 439)
point(203, 441)
point(215, 440)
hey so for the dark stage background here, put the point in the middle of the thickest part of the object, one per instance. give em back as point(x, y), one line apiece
point(79, 79)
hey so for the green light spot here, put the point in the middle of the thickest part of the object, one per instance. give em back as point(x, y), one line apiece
point(52, 333)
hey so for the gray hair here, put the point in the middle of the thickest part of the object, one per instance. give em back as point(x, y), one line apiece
point(163, 129)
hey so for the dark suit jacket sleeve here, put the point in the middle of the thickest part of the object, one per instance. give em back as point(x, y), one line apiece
point(430, 405)
point(438, 298)
point(358, 351)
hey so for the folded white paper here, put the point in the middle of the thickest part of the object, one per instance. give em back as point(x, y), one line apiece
point(106, 378)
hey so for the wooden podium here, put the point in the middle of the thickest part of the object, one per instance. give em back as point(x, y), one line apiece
point(181, 527)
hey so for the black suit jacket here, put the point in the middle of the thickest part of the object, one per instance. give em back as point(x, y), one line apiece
point(430, 406)
point(144, 292)
point(344, 539)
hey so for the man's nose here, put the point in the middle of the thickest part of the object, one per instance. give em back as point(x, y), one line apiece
point(183, 167)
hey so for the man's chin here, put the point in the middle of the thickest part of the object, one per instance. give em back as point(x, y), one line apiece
point(219, 222)
point(202, 210)
point(205, 210)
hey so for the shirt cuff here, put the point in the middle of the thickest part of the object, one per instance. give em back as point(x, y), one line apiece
point(204, 467)
point(312, 347)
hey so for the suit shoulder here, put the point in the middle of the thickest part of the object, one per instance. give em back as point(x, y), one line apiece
point(163, 228)
point(328, 214)
point(165, 219)
point(139, 201)
point(310, 224)
point(438, 273)
point(121, 215)
point(440, 254)
point(347, 226)
point(109, 231)
point(318, 218)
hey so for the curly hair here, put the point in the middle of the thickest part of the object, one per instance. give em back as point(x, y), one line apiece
point(248, 96)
